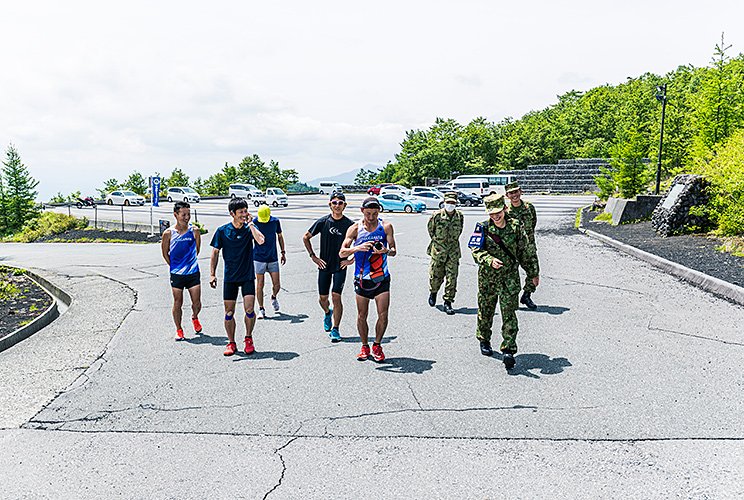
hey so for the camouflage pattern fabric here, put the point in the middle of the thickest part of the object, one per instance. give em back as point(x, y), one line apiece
point(503, 284)
point(444, 249)
point(528, 215)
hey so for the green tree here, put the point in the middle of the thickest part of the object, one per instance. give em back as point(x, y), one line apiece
point(136, 182)
point(177, 178)
point(20, 191)
point(365, 177)
point(3, 206)
point(108, 186)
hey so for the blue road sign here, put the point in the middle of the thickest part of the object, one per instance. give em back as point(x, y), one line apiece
point(155, 191)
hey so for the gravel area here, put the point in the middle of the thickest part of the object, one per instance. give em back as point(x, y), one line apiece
point(29, 302)
point(694, 251)
point(100, 235)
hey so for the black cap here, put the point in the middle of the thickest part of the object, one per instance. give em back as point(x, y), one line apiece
point(338, 196)
point(370, 202)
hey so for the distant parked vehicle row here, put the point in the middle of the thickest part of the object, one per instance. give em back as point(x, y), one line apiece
point(390, 202)
point(183, 194)
point(247, 191)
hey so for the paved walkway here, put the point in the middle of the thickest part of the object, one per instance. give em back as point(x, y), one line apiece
point(628, 383)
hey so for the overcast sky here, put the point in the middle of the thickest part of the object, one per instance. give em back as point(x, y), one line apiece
point(94, 90)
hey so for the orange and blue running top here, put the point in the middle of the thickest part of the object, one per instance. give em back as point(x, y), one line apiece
point(371, 266)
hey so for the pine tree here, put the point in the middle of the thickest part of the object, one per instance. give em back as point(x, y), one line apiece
point(3, 207)
point(20, 191)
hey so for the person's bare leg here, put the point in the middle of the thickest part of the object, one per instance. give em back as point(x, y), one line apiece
point(382, 302)
point(177, 307)
point(362, 311)
point(230, 323)
point(260, 278)
point(338, 309)
point(250, 322)
point(196, 305)
point(324, 304)
point(276, 284)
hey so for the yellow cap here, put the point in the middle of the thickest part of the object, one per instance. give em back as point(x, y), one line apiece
point(264, 213)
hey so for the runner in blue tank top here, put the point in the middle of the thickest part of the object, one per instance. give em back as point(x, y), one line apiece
point(180, 247)
point(371, 241)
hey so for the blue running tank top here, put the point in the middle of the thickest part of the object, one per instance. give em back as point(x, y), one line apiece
point(371, 266)
point(182, 252)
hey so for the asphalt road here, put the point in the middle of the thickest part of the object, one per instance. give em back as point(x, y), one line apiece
point(628, 384)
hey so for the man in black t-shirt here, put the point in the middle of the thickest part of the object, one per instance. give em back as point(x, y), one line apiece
point(331, 267)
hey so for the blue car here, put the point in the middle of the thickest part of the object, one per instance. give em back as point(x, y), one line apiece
point(391, 202)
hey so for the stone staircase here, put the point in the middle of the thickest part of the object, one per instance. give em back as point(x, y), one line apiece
point(566, 177)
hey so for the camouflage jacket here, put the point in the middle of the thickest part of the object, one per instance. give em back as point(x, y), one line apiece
point(515, 239)
point(528, 215)
point(445, 231)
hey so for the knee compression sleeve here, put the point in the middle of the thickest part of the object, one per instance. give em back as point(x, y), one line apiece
point(250, 315)
point(229, 316)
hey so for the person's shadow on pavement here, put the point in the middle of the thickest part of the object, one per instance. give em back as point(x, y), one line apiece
point(552, 310)
point(275, 355)
point(206, 339)
point(355, 339)
point(462, 310)
point(406, 365)
point(292, 318)
point(535, 361)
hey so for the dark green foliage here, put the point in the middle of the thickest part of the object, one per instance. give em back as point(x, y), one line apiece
point(137, 183)
point(108, 186)
point(18, 194)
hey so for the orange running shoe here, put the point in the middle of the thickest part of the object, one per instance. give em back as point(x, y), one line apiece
point(249, 349)
point(363, 354)
point(197, 325)
point(377, 353)
point(179, 334)
point(231, 349)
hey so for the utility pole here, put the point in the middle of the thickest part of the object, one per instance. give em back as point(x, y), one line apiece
point(661, 96)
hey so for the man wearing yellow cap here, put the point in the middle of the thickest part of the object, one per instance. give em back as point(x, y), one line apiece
point(266, 259)
point(500, 245)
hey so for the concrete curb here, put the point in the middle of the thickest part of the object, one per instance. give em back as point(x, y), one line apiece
point(709, 283)
point(58, 296)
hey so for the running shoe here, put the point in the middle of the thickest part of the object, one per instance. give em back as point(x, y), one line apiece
point(335, 335)
point(377, 353)
point(328, 320)
point(261, 313)
point(231, 349)
point(249, 349)
point(363, 354)
point(179, 334)
point(197, 325)
point(275, 303)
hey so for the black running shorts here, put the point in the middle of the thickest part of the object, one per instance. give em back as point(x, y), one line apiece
point(324, 281)
point(186, 281)
point(369, 289)
point(230, 289)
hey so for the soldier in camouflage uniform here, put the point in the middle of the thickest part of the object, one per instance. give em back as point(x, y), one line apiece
point(525, 212)
point(445, 228)
point(500, 245)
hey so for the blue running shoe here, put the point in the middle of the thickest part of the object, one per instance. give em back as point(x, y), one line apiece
point(334, 335)
point(328, 320)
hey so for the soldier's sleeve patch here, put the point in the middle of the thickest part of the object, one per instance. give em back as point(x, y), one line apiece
point(476, 239)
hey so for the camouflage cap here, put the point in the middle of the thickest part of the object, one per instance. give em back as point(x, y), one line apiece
point(512, 186)
point(494, 203)
point(451, 196)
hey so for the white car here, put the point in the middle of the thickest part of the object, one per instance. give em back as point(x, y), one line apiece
point(395, 189)
point(124, 198)
point(329, 187)
point(423, 189)
point(432, 199)
point(183, 194)
point(276, 197)
point(247, 191)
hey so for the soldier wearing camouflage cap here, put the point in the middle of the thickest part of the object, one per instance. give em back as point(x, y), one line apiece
point(445, 228)
point(500, 245)
point(525, 212)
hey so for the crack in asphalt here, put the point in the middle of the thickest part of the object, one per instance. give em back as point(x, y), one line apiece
point(685, 334)
point(281, 459)
point(577, 282)
point(415, 398)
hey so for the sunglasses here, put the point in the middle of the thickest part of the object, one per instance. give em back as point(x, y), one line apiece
point(337, 202)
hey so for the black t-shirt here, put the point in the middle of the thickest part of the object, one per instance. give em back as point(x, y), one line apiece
point(332, 235)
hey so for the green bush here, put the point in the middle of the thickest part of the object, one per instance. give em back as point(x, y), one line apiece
point(48, 224)
point(725, 171)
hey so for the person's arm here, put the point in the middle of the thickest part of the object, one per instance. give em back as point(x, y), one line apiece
point(534, 217)
point(280, 237)
point(481, 255)
point(213, 267)
point(460, 223)
point(257, 235)
point(309, 247)
point(347, 249)
point(527, 256)
point(391, 250)
point(197, 237)
point(165, 246)
point(431, 225)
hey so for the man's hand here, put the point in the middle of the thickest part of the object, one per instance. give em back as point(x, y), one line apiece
point(496, 263)
point(364, 247)
point(536, 281)
point(319, 262)
point(213, 281)
point(346, 263)
point(284, 258)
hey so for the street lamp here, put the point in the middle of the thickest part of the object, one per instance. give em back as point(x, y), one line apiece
point(661, 96)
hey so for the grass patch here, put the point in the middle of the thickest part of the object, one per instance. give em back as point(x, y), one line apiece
point(733, 245)
point(8, 291)
point(93, 240)
point(604, 217)
point(579, 214)
point(47, 224)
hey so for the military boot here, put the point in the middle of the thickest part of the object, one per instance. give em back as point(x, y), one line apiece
point(485, 348)
point(509, 360)
point(432, 299)
point(527, 300)
point(448, 307)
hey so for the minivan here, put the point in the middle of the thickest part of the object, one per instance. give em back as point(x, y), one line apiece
point(182, 193)
point(247, 191)
point(496, 182)
point(329, 187)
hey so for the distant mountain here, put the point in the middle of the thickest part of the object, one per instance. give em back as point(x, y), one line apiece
point(345, 177)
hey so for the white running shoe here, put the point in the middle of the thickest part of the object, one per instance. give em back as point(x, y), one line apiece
point(275, 303)
point(261, 313)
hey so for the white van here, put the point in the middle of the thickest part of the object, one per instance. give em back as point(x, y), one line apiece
point(276, 197)
point(477, 187)
point(329, 187)
point(247, 191)
point(496, 182)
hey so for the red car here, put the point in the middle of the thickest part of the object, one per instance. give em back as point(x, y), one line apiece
point(375, 190)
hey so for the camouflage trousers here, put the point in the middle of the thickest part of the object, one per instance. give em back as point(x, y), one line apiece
point(528, 286)
point(441, 267)
point(494, 288)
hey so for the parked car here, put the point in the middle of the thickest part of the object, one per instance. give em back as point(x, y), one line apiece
point(391, 202)
point(276, 197)
point(329, 187)
point(247, 191)
point(396, 189)
point(432, 199)
point(477, 187)
point(124, 198)
point(375, 190)
point(466, 199)
point(423, 189)
point(183, 194)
